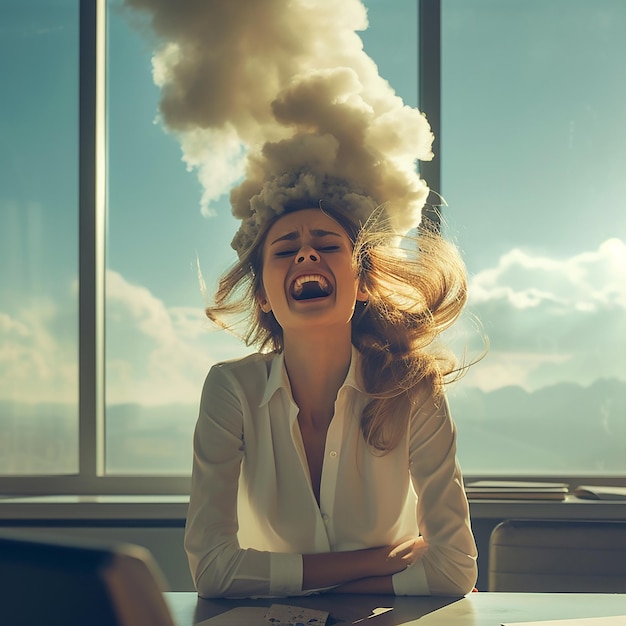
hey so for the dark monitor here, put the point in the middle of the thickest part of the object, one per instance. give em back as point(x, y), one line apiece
point(66, 583)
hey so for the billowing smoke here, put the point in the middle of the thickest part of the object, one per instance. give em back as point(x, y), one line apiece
point(277, 101)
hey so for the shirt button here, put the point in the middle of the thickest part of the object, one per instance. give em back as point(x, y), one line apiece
point(333, 454)
point(325, 518)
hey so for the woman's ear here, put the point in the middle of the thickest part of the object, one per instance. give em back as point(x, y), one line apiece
point(263, 303)
point(362, 295)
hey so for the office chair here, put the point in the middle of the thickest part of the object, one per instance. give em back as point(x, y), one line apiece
point(558, 556)
point(58, 582)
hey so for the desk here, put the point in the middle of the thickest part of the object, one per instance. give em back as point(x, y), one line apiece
point(476, 609)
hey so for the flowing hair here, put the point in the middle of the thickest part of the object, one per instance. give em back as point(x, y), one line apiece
point(416, 288)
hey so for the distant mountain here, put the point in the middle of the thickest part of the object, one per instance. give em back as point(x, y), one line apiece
point(563, 428)
point(151, 439)
point(38, 438)
point(43, 438)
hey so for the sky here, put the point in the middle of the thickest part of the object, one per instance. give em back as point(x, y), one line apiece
point(533, 154)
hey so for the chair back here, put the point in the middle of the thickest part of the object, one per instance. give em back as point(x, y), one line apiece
point(558, 556)
point(62, 583)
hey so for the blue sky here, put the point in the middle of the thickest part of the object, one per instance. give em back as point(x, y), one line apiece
point(533, 151)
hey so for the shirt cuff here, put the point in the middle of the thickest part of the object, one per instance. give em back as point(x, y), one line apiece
point(285, 574)
point(411, 582)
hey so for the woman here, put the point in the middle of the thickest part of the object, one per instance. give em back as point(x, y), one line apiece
point(327, 460)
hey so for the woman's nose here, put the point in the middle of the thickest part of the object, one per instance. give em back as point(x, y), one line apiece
point(307, 253)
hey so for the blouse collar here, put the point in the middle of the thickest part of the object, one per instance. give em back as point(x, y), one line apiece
point(278, 378)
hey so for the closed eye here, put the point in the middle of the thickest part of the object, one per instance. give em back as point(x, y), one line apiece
point(285, 253)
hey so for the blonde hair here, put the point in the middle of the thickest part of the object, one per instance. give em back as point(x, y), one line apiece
point(416, 289)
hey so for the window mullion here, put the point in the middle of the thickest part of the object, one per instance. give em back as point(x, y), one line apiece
point(91, 246)
point(429, 51)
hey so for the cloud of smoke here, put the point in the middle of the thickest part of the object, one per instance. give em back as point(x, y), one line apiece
point(286, 87)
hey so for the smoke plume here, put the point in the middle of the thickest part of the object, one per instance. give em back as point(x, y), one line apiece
point(277, 101)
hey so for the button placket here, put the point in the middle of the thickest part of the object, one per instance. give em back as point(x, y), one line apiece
point(330, 468)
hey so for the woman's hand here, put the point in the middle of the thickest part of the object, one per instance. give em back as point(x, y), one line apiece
point(389, 560)
point(328, 569)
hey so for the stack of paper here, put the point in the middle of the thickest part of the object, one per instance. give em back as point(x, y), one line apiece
point(515, 490)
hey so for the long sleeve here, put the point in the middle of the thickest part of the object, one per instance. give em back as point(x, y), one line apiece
point(219, 566)
point(449, 567)
point(253, 514)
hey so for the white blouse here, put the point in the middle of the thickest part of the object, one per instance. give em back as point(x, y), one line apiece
point(253, 513)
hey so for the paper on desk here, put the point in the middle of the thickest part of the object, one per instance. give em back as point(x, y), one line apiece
point(286, 615)
point(615, 620)
point(275, 615)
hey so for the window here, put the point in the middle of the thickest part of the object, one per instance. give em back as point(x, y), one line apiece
point(39, 238)
point(101, 372)
point(159, 345)
point(533, 142)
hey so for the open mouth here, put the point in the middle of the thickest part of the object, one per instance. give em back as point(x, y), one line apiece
point(310, 286)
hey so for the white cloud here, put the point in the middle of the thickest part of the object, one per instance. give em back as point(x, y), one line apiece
point(154, 354)
point(10, 326)
point(219, 159)
point(552, 320)
point(548, 321)
point(503, 369)
point(37, 362)
point(217, 155)
point(587, 281)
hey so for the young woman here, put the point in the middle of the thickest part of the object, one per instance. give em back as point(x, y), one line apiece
point(326, 461)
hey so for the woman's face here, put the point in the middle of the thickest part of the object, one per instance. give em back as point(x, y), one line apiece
point(308, 275)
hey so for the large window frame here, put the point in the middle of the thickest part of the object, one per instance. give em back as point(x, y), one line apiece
point(91, 478)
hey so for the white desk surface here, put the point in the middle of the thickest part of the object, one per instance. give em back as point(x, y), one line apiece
point(476, 609)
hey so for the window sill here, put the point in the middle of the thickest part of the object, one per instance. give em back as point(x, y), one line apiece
point(109, 508)
point(173, 509)
point(570, 508)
